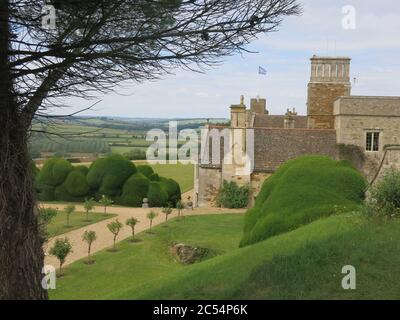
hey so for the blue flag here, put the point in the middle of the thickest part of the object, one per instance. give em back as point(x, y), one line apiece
point(262, 71)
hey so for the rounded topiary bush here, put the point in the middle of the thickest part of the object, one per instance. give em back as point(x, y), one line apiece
point(108, 175)
point(157, 196)
point(173, 190)
point(145, 169)
point(301, 191)
point(154, 177)
point(83, 169)
point(54, 172)
point(45, 192)
point(134, 191)
point(61, 194)
point(76, 184)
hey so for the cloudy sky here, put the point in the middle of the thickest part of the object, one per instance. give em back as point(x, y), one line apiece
point(374, 46)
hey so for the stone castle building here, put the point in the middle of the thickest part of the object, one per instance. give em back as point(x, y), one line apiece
point(362, 129)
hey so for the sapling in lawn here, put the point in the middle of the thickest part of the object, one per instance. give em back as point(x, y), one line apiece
point(132, 222)
point(61, 249)
point(151, 216)
point(115, 227)
point(89, 237)
point(68, 211)
point(88, 205)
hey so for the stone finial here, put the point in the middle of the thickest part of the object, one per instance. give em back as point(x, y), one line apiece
point(242, 99)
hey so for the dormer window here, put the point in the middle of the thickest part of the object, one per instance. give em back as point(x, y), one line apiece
point(372, 141)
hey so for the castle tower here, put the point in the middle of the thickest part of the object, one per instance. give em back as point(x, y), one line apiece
point(330, 79)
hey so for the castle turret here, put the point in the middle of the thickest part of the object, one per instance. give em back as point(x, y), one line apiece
point(330, 79)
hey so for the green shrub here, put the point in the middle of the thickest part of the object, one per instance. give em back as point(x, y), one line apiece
point(385, 195)
point(83, 169)
point(45, 192)
point(61, 194)
point(108, 175)
point(154, 177)
point(301, 191)
point(157, 196)
point(173, 190)
point(134, 190)
point(54, 172)
point(76, 184)
point(233, 196)
point(146, 170)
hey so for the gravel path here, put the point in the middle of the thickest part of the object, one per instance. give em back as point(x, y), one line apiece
point(105, 237)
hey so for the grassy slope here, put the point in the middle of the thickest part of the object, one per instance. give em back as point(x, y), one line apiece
point(136, 264)
point(301, 191)
point(302, 264)
point(77, 220)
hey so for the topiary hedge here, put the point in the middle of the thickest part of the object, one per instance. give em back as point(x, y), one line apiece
point(54, 172)
point(108, 175)
point(173, 190)
point(157, 196)
point(113, 176)
point(301, 191)
point(134, 191)
point(145, 170)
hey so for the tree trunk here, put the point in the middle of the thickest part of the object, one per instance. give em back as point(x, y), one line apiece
point(21, 252)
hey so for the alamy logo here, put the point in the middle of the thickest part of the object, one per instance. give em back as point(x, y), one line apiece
point(49, 17)
point(349, 281)
point(228, 146)
point(49, 280)
point(349, 21)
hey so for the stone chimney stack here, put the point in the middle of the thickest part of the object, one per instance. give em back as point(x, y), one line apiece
point(238, 114)
point(289, 121)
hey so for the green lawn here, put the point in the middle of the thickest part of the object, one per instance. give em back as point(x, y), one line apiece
point(77, 220)
point(302, 264)
point(181, 173)
point(137, 263)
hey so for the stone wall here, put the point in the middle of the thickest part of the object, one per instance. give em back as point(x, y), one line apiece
point(208, 184)
point(257, 180)
point(321, 97)
point(355, 116)
point(273, 147)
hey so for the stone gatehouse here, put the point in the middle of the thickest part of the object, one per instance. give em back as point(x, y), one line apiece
point(362, 129)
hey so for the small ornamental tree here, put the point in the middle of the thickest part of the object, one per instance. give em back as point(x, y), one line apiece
point(167, 211)
point(44, 218)
point(68, 211)
point(151, 216)
point(89, 237)
point(180, 207)
point(105, 202)
point(61, 249)
point(89, 206)
point(115, 227)
point(132, 222)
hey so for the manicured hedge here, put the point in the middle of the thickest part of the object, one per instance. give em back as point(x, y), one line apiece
point(173, 190)
point(301, 191)
point(76, 184)
point(146, 170)
point(54, 172)
point(113, 176)
point(134, 191)
point(157, 196)
point(108, 175)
